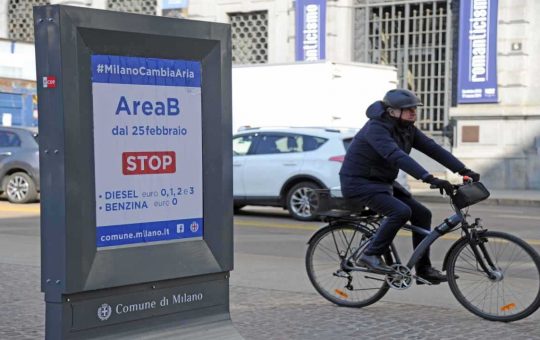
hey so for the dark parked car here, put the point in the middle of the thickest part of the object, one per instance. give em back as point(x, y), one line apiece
point(19, 164)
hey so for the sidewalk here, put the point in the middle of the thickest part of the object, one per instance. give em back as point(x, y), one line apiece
point(266, 314)
point(271, 314)
point(497, 197)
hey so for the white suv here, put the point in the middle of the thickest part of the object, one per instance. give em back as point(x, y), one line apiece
point(282, 166)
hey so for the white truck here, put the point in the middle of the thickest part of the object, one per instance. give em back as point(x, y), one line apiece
point(307, 94)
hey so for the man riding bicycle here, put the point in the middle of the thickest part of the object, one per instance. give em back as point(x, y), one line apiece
point(371, 166)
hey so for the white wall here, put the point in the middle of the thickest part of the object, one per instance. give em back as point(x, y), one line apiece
point(4, 19)
point(19, 64)
point(82, 3)
point(281, 22)
point(281, 18)
point(518, 70)
point(508, 150)
point(339, 30)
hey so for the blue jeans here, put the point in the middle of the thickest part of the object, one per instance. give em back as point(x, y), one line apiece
point(398, 209)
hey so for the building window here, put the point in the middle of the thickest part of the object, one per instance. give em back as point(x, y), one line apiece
point(133, 6)
point(414, 37)
point(21, 21)
point(249, 33)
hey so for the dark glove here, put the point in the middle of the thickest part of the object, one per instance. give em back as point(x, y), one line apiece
point(441, 184)
point(468, 172)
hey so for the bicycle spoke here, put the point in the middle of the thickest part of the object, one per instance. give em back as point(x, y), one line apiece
point(517, 299)
point(511, 259)
point(472, 271)
point(470, 254)
point(331, 255)
point(482, 291)
point(474, 289)
point(510, 291)
point(324, 260)
point(471, 257)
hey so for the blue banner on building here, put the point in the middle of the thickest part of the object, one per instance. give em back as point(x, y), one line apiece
point(310, 30)
point(477, 78)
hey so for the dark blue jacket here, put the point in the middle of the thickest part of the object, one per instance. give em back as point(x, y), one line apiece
point(381, 148)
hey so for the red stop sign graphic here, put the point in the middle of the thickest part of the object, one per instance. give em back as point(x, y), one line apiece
point(148, 162)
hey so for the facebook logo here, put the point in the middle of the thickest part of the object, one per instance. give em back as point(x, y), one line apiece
point(180, 228)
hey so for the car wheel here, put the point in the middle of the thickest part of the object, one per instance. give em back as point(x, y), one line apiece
point(302, 201)
point(20, 188)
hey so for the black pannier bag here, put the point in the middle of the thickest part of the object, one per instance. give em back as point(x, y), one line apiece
point(328, 205)
point(327, 202)
point(470, 194)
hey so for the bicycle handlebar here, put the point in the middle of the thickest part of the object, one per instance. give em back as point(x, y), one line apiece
point(466, 180)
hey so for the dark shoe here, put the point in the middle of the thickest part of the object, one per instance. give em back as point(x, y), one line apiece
point(430, 274)
point(375, 263)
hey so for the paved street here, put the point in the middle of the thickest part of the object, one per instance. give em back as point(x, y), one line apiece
point(271, 297)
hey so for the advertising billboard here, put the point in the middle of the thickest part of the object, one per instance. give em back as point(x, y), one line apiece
point(147, 150)
point(136, 161)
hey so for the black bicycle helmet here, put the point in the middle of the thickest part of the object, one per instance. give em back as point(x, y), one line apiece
point(401, 99)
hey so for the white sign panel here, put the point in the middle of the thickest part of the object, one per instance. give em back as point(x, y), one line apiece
point(147, 150)
point(7, 119)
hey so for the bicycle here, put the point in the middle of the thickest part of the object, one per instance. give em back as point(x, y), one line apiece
point(479, 265)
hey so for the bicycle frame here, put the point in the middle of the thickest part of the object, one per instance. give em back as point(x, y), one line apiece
point(430, 237)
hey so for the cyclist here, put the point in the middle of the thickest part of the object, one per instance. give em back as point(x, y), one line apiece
point(371, 166)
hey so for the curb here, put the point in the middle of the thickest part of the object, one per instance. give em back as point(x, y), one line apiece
point(489, 201)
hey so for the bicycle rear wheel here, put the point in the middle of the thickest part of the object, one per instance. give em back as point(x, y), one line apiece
point(511, 292)
point(324, 256)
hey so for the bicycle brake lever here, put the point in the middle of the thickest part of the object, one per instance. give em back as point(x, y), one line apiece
point(441, 190)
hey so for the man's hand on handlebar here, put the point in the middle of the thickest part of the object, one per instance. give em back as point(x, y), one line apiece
point(441, 184)
point(469, 173)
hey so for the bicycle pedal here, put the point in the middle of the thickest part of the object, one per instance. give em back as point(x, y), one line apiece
point(421, 281)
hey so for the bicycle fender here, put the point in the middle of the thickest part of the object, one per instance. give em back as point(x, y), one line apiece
point(320, 231)
point(452, 247)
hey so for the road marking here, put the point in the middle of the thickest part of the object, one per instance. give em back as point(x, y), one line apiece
point(452, 237)
point(523, 217)
point(313, 228)
point(276, 225)
point(402, 233)
point(17, 208)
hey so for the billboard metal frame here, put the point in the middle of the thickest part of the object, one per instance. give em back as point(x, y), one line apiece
point(73, 269)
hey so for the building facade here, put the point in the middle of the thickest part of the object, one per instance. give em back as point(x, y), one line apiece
point(421, 38)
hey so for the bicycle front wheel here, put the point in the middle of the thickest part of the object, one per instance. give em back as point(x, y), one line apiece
point(509, 290)
point(325, 254)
